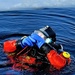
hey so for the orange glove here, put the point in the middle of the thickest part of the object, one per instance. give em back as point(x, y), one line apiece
point(57, 60)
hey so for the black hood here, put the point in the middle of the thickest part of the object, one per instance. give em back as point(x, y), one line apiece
point(48, 32)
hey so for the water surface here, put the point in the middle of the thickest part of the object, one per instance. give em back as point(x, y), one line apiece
point(14, 24)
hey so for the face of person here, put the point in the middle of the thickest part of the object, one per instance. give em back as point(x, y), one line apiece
point(42, 35)
point(47, 40)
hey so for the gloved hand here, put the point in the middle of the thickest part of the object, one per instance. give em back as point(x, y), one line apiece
point(32, 40)
point(57, 60)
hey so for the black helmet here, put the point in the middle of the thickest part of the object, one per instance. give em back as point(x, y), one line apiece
point(48, 33)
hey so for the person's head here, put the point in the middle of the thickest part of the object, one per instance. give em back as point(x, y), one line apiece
point(47, 33)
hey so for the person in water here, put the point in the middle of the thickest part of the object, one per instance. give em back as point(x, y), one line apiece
point(39, 45)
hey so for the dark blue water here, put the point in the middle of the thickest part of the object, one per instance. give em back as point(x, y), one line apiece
point(14, 24)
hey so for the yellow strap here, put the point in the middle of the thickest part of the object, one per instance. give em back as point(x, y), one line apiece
point(10, 54)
